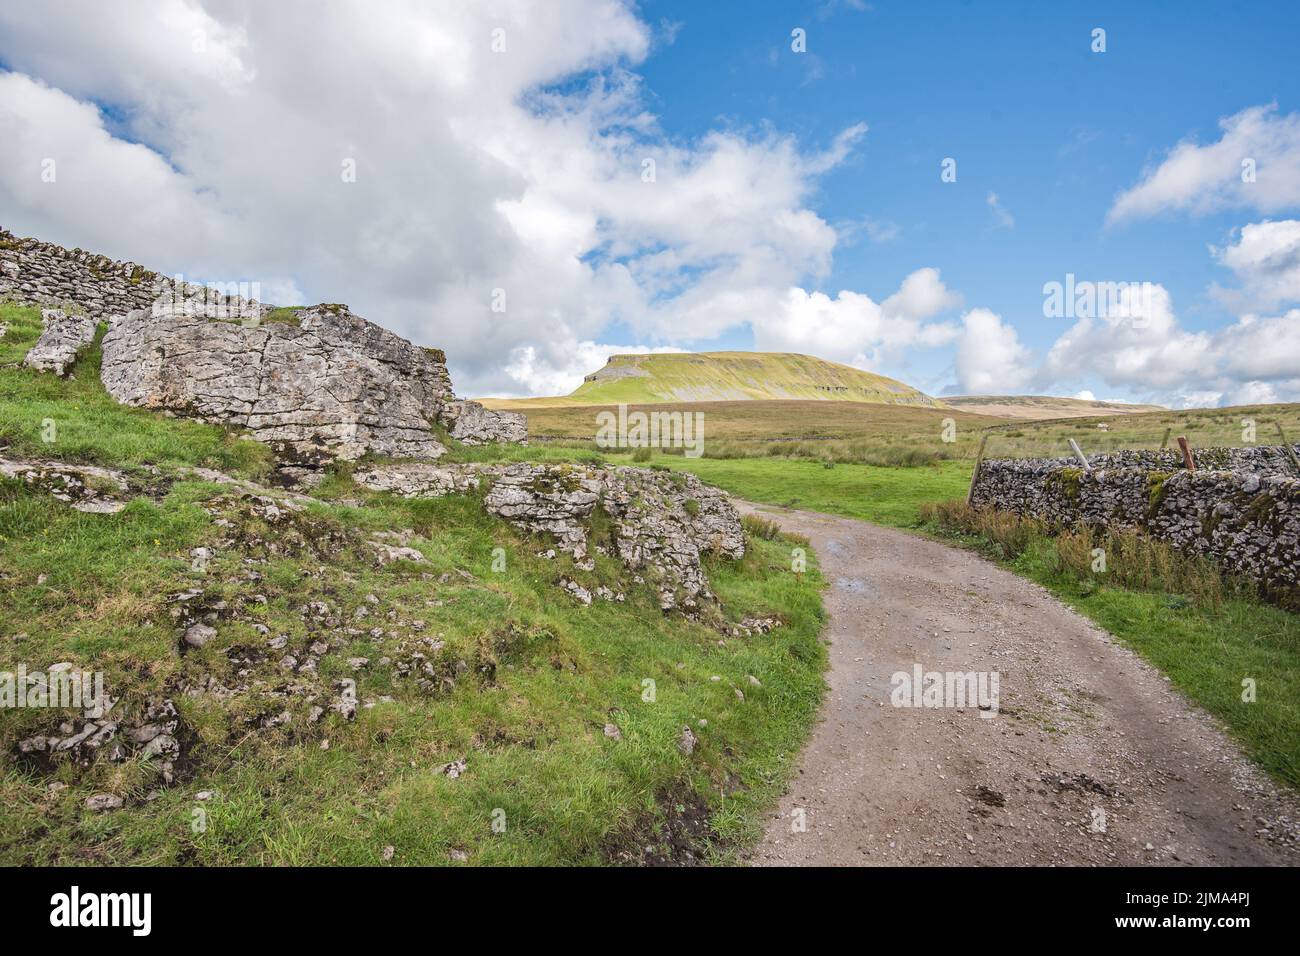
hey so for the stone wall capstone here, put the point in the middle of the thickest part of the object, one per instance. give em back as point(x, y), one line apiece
point(1245, 516)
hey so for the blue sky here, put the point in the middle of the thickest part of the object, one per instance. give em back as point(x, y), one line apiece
point(501, 210)
point(1014, 93)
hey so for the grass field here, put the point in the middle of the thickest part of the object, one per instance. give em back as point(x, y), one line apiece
point(889, 496)
point(1204, 428)
point(529, 678)
point(864, 433)
point(837, 431)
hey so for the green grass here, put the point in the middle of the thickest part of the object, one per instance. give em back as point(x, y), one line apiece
point(84, 424)
point(889, 496)
point(541, 674)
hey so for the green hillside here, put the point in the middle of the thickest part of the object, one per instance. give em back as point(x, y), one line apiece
point(728, 376)
point(525, 681)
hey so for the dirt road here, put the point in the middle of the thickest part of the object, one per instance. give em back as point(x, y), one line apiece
point(1091, 758)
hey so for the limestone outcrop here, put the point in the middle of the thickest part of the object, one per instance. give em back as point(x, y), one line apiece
point(324, 383)
point(61, 339)
point(419, 479)
point(88, 488)
point(328, 384)
point(471, 423)
point(317, 383)
point(660, 523)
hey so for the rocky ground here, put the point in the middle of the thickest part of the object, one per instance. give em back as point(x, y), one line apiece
point(1092, 759)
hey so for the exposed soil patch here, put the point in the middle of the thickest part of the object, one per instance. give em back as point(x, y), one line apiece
point(677, 837)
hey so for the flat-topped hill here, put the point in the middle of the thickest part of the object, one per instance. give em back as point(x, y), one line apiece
point(728, 376)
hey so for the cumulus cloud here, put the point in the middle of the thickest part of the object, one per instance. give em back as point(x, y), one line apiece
point(1266, 260)
point(855, 329)
point(496, 146)
point(1135, 341)
point(1139, 344)
point(990, 357)
point(1204, 178)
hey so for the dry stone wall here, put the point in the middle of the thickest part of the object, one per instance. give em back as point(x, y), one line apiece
point(41, 273)
point(1245, 514)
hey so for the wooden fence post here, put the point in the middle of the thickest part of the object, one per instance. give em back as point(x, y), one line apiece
point(1078, 453)
point(979, 460)
point(1187, 453)
point(1164, 442)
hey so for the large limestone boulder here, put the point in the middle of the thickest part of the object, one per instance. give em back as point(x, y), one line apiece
point(471, 423)
point(61, 338)
point(326, 384)
point(663, 522)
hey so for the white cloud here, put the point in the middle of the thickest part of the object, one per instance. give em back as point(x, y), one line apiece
point(1085, 396)
point(922, 295)
point(1201, 179)
point(990, 357)
point(556, 371)
point(853, 328)
point(1141, 346)
point(1257, 348)
point(1004, 218)
point(1137, 343)
point(220, 150)
point(1266, 260)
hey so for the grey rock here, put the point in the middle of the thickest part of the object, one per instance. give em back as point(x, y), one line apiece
point(664, 522)
point(62, 337)
point(164, 745)
point(103, 801)
point(686, 741)
point(330, 385)
point(577, 590)
point(86, 488)
point(196, 635)
point(419, 479)
point(471, 423)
